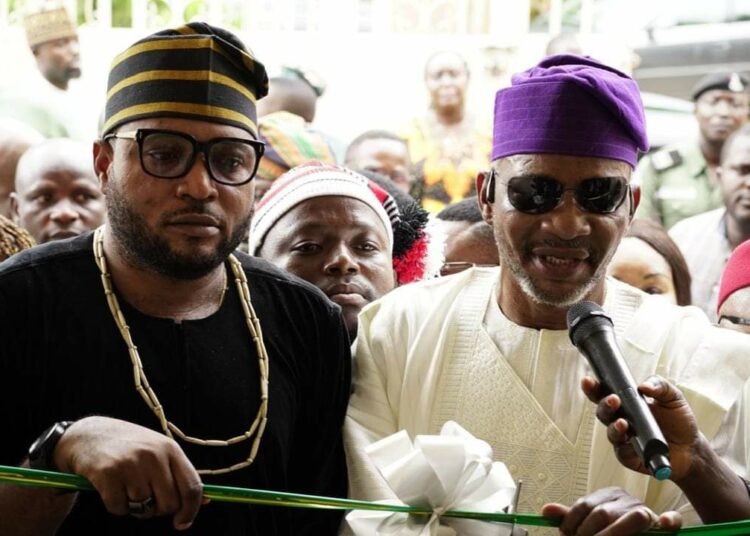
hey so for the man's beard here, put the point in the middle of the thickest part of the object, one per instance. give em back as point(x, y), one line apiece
point(542, 297)
point(145, 249)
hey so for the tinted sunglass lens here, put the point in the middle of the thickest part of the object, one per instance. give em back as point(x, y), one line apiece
point(601, 195)
point(534, 195)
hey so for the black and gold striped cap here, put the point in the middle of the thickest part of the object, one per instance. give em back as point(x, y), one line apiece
point(196, 71)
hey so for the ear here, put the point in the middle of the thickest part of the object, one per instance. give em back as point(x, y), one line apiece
point(102, 160)
point(635, 198)
point(14, 207)
point(486, 194)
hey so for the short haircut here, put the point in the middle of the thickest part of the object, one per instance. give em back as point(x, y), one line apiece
point(465, 210)
point(371, 135)
point(740, 132)
point(655, 236)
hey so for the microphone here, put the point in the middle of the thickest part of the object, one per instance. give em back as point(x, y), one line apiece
point(592, 332)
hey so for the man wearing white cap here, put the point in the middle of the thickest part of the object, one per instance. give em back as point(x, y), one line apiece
point(45, 101)
point(341, 232)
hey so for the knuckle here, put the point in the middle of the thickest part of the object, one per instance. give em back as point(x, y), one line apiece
point(602, 515)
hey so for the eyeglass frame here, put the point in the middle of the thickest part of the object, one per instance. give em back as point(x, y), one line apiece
point(203, 148)
point(735, 320)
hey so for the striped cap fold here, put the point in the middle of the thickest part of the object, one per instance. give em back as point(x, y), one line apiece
point(196, 71)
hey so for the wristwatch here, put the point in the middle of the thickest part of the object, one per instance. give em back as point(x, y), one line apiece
point(41, 451)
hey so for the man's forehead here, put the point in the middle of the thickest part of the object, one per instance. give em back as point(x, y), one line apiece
point(716, 94)
point(377, 146)
point(193, 127)
point(561, 166)
point(738, 303)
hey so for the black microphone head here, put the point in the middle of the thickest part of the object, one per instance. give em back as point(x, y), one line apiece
point(588, 314)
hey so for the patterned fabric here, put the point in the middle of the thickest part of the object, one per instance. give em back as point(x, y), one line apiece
point(316, 179)
point(446, 166)
point(196, 71)
point(703, 241)
point(48, 25)
point(290, 142)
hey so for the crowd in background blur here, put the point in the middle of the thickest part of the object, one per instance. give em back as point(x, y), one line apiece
point(694, 208)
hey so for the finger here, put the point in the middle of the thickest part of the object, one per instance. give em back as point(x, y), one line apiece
point(554, 510)
point(190, 489)
point(670, 521)
point(165, 490)
point(617, 432)
point(661, 390)
point(635, 521)
point(140, 492)
point(593, 390)
point(606, 409)
point(583, 507)
point(112, 493)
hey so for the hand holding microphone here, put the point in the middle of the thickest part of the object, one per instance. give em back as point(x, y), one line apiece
point(592, 332)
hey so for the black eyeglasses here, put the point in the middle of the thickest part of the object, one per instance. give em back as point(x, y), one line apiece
point(735, 320)
point(538, 194)
point(170, 155)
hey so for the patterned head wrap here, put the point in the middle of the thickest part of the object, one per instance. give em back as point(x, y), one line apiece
point(196, 71)
point(289, 143)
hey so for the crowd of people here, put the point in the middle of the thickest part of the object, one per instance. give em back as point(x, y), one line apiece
point(212, 290)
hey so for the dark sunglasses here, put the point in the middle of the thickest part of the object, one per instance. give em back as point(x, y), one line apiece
point(538, 194)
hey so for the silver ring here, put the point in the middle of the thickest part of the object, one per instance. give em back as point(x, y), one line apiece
point(139, 508)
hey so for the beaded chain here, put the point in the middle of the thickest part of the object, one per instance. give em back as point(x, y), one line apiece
point(147, 393)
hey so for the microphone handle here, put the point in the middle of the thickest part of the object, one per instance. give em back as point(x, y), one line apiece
point(611, 370)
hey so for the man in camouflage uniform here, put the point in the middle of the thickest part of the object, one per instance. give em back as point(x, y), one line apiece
point(679, 181)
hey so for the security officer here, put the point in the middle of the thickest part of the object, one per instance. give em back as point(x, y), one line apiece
point(679, 181)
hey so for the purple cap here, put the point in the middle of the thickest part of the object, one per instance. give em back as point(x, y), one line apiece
point(570, 105)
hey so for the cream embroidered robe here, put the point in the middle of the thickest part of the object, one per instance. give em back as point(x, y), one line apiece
point(424, 355)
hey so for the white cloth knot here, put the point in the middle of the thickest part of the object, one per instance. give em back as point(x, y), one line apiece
point(452, 471)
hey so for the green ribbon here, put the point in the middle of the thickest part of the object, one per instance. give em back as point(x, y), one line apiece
point(49, 479)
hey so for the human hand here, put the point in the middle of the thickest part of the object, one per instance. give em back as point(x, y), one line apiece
point(126, 463)
point(609, 512)
point(672, 413)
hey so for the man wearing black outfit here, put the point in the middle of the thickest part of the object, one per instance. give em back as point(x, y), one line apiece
point(140, 342)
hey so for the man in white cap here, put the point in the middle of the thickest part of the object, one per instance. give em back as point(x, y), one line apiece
point(46, 101)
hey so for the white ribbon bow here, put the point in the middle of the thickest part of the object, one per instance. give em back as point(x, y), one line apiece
point(452, 471)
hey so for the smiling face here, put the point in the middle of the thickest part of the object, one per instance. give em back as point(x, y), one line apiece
point(639, 265)
point(339, 245)
point(557, 258)
point(57, 195)
point(183, 227)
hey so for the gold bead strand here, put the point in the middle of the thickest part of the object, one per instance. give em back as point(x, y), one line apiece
point(258, 426)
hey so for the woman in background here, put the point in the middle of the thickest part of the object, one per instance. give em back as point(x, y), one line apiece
point(648, 259)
